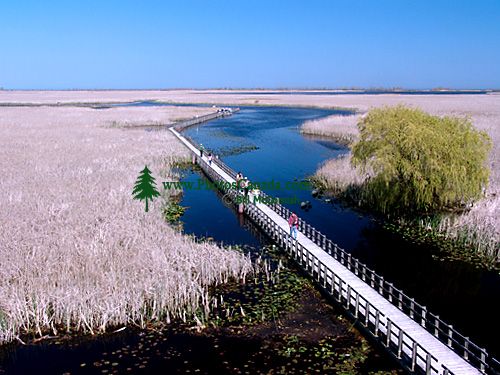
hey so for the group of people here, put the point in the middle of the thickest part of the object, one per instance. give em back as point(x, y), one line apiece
point(209, 155)
point(243, 183)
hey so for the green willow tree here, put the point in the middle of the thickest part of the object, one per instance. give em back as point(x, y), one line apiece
point(418, 162)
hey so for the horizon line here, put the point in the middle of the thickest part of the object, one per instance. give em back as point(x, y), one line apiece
point(395, 89)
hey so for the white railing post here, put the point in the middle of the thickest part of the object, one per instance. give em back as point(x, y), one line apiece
point(400, 343)
point(389, 331)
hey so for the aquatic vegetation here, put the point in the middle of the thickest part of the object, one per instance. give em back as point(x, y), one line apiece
point(266, 296)
point(173, 211)
point(329, 355)
point(343, 129)
point(425, 232)
point(299, 333)
point(235, 150)
point(474, 233)
point(339, 178)
point(77, 253)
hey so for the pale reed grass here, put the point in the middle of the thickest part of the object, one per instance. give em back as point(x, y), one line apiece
point(338, 177)
point(479, 227)
point(77, 253)
point(342, 129)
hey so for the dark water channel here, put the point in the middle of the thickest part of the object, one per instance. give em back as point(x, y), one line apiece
point(265, 144)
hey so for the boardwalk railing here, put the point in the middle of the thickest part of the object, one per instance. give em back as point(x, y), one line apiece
point(400, 344)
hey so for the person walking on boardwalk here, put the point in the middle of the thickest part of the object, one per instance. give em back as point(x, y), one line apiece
point(238, 178)
point(293, 222)
point(239, 182)
point(246, 186)
point(209, 158)
point(201, 150)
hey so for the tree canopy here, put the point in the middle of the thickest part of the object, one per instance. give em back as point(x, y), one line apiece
point(419, 162)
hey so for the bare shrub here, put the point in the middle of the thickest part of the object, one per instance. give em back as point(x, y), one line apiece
point(76, 251)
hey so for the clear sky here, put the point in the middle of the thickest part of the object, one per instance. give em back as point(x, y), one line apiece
point(249, 43)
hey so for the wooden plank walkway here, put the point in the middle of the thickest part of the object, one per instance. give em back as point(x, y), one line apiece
point(416, 348)
point(182, 125)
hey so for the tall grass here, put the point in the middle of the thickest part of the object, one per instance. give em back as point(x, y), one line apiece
point(478, 228)
point(339, 178)
point(343, 129)
point(77, 253)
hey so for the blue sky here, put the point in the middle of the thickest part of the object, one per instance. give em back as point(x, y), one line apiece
point(247, 44)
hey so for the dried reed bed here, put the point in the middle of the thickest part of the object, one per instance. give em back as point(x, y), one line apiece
point(339, 177)
point(123, 117)
point(471, 104)
point(479, 227)
point(77, 253)
point(484, 110)
point(343, 129)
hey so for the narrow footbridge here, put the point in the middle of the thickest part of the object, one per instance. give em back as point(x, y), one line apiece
point(418, 339)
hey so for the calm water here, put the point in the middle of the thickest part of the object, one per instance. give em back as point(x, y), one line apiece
point(459, 293)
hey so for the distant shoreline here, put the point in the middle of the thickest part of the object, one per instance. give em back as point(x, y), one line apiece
point(278, 91)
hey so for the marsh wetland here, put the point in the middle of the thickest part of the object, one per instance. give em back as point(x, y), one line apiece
point(275, 321)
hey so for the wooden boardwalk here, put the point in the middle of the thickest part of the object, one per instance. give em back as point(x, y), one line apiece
point(419, 343)
point(182, 125)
